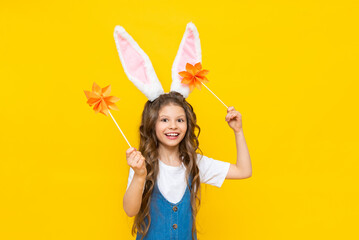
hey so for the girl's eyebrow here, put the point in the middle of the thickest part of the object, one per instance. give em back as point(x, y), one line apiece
point(168, 116)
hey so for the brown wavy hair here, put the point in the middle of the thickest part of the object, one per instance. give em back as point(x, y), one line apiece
point(187, 150)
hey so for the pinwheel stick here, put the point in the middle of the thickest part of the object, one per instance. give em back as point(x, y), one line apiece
point(214, 94)
point(119, 129)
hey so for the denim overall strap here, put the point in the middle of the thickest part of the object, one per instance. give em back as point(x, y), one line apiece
point(170, 221)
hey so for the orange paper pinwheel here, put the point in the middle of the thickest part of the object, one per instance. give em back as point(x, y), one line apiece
point(100, 99)
point(194, 76)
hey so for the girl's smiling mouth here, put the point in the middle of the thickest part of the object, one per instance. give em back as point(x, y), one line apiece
point(172, 135)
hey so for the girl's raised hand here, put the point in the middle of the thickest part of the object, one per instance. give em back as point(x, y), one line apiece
point(234, 119)
point(136, 161)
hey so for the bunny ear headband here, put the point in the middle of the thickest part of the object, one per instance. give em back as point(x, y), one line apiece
point(139, 69)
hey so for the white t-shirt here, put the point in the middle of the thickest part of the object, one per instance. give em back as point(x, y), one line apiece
point(171, 180)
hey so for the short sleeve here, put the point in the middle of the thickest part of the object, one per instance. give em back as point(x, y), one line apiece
point(212, 171)
point(130, 177)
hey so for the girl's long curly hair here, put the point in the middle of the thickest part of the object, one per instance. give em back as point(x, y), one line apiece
point(187, 150)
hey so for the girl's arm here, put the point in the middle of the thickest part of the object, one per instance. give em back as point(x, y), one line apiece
point(243, 167)
point(133, 196)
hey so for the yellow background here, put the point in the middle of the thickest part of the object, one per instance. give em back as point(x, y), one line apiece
point(289, 67)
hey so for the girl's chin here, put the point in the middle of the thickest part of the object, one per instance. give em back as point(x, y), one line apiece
point(170, 143)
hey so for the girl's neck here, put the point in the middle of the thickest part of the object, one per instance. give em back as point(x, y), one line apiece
point(169, 155)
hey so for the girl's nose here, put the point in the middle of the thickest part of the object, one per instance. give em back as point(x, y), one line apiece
point(173, 125)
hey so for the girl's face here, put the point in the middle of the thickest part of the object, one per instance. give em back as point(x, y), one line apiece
point(171, 125)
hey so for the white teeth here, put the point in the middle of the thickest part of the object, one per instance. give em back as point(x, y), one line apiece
point(172, 134)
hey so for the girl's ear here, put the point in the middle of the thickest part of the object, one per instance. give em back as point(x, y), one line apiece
point(189, 52)
point(137, 64)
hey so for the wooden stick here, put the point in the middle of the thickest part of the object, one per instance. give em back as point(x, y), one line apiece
point(119, 129)
point(214, 94)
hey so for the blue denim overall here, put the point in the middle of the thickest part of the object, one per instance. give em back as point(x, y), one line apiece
point(169, 221)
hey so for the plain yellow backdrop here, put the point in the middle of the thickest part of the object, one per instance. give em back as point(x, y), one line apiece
point(289, 67)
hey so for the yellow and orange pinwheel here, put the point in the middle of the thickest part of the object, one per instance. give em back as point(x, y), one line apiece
point(100, 99)
point(194, 76)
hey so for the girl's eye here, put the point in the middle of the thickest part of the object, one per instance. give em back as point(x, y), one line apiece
point(166, 120)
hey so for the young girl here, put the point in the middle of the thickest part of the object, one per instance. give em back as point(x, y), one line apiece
point(163, 190)
point(165, 174)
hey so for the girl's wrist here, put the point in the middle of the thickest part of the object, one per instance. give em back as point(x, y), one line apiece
point(238, 132)
point(140, 177)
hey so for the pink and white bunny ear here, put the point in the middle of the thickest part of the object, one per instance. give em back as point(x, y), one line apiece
point(189, 52)
point(137, 64)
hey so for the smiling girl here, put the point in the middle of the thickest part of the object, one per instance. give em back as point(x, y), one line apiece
point(163, 190)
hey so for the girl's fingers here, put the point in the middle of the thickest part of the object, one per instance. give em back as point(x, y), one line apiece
point(129, 151)
point(132, 157)
point(141, 161)
point(133, 154)
point(232, 110)
point(229, 109)
point(230, 116)
point(134, 161)
point(138, 156)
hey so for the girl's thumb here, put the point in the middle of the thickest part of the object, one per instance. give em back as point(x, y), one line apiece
point(130, 150)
